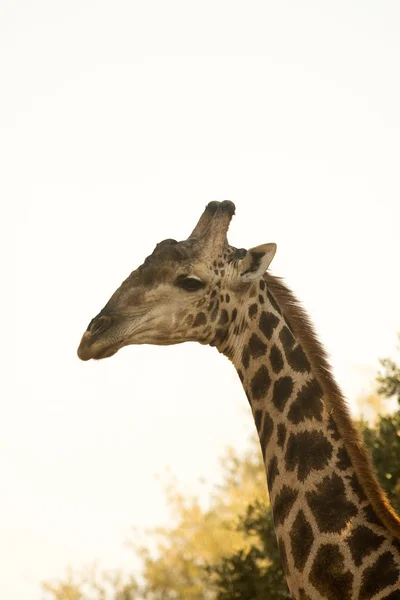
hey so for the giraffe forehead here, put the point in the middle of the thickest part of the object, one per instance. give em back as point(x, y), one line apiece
point(172, 255)
point(170, 259)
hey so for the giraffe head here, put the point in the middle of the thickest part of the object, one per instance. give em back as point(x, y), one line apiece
point(184, 291)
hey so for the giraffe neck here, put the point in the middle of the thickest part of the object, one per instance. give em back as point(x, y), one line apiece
point(333, 540)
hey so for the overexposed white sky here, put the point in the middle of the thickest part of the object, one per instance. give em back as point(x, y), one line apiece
point(119, 121)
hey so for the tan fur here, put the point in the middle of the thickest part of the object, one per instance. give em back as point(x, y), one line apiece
point(299, 321)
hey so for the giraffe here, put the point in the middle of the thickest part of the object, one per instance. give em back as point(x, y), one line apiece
point(338, 536)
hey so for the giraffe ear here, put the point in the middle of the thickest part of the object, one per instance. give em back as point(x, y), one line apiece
point(256, 262)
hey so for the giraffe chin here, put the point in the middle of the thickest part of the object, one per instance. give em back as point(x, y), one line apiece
point(106, 353)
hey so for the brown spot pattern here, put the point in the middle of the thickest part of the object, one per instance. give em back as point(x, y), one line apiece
point(246, 357)
point(281, 435)
point(276, 359)
point(260, 383)
point(396, 544)
point(268, 322)
point(272, 472)
point(357, 489)
point(220, 335)
point(258, 415)
point(200, 319)
point(330, 506)
point(294, 353)
point(308, 450)
point(371, 516)
point(362, 542)
point(266, 432)
point(283, 503)
point(282, 552)
point(376, 578)
point(283, 388)
point(329, 576)
point(392, 596)
point(274, 303)
point(301, 537)
point(257, 348)
point(223, 318)
point(308, 403)
point(253, 308)
point(333, 429)
point(343, 462)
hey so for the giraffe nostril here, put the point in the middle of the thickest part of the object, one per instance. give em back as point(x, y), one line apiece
point(98, 324)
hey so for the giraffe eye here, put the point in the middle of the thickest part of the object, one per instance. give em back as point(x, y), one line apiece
point(191, 284)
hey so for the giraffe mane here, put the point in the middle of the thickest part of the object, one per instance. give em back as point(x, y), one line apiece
point(302, 327)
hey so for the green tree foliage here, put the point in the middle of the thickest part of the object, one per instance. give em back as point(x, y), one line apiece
point(254, 573)
point(389, 379)
point(228, 550)
point(383, 439)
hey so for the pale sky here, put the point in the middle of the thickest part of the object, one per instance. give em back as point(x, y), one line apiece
point(119, 122)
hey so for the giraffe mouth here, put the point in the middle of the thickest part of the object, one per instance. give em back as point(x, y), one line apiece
point(96, 350)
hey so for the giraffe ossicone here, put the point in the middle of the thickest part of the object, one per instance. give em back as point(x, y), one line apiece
point(338, 536)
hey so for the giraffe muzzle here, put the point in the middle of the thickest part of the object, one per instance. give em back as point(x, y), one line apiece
point(95, 350)
point(84, 350)
point(91, 345)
